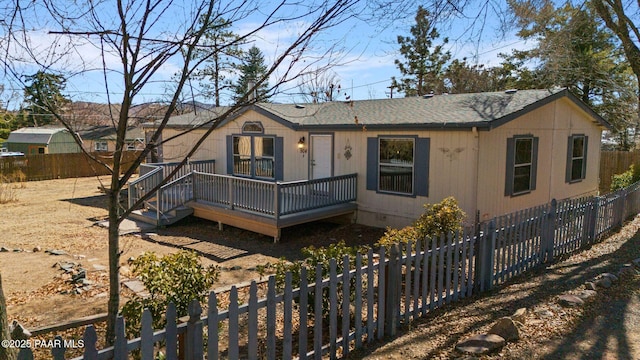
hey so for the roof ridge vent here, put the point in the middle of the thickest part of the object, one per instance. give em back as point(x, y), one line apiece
point(511, 91)
point(427, 96)
point(298, 106)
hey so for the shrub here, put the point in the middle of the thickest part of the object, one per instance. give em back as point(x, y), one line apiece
point(443, 217)
point(178, 278)
point(627, 178)
point(8, 190)
point(313, 257)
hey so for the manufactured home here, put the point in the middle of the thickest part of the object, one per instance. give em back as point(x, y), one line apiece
point(494, 152)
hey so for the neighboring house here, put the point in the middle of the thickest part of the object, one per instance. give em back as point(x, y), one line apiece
point(41, 140)
point(494, 152)
point(102, 138)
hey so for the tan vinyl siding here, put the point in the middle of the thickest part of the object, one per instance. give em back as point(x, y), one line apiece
point(552, 124)
point(451, 173)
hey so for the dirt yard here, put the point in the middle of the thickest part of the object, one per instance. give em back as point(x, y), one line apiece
point(61, 215)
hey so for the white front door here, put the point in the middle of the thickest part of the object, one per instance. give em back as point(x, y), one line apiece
point(321, 155)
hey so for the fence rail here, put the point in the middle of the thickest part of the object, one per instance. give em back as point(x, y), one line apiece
point(342, 308)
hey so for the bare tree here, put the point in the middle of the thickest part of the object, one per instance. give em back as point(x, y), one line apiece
point(319, 86)
point(6, 352)
point(136, 40)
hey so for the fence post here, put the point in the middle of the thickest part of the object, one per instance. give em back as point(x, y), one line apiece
point(194, 344)
point(392, 296)
point(593, 220)
point(549, 232)
point(485, 259)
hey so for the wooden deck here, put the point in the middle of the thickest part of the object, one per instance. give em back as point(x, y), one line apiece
point(264, 207)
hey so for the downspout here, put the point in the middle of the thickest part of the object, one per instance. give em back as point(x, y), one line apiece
point(476, 136)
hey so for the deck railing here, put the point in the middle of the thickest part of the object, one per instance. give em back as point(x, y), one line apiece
point(152, 174)
point(274, 199)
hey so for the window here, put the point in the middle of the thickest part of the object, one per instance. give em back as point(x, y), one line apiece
point(576, 158)
point(522, 157)
point(254, 156)
point(101, 146)
point(398, 165)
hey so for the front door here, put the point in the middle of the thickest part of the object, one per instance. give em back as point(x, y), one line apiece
point(321, 155)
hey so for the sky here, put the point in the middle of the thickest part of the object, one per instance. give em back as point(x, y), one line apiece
point(367, 57)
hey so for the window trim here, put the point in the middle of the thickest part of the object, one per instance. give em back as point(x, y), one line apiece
point(104, 145)
point(570, 158)
point(421, 162)
point(511, 165)
point(278, 169)
point(413, 165)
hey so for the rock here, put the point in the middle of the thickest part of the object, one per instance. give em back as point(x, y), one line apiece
point(626, 270)
point(18, 332)
point(612, 277)
point(18, 250)
point(604, 282)
point(519, 315)
point(37, 249)
point(636, 262)
point(236, 267)
point(480, 344)
point(56, 252)
point(4, 249)
point(506, 328)
point(589, 285)
point(586, 294)
point(79, 277)
point(544, 313)
point(568, 300)
point(98, 267)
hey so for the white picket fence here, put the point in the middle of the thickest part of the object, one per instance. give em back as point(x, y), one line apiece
point(386, 290)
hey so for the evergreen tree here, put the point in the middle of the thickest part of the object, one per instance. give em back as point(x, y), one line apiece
point(252, 71)
point(43, 97)
point(223, 44)
point(576, 51)
point(423, 65)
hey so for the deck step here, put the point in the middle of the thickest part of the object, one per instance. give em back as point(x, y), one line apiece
point(171, 217)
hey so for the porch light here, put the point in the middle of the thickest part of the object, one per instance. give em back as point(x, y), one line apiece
point(301, 146)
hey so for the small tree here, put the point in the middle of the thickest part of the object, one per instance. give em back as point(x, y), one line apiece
point(178, 278)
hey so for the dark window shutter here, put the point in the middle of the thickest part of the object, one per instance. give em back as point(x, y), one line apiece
point(585, 147)
point(372, 164)
point(279, 161)
point(508, 184)
point(229, 154)
point(567, 175)
point(534, 163)
point(421, 166)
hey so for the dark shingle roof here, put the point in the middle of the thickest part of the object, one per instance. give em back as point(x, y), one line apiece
point(483, 110)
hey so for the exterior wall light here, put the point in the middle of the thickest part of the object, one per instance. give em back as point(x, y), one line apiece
point(302, 146)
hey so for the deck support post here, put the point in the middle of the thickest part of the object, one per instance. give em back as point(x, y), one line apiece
point(220, 226)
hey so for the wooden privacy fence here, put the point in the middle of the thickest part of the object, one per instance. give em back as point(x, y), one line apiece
point(615, 162)
point(332, 315)
point(62, 166)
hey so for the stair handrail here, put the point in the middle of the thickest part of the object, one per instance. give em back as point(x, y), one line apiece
point(133, 190)
point(181, 200)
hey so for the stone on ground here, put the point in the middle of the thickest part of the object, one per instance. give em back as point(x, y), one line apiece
point(604, 282)
point(569, 300)
point(505, 328)
point(519, 315)
point(481, 344)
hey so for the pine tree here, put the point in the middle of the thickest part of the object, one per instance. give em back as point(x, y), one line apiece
point(252, 71)
point(223, 44)
point(43, 97)
point(423, 65)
